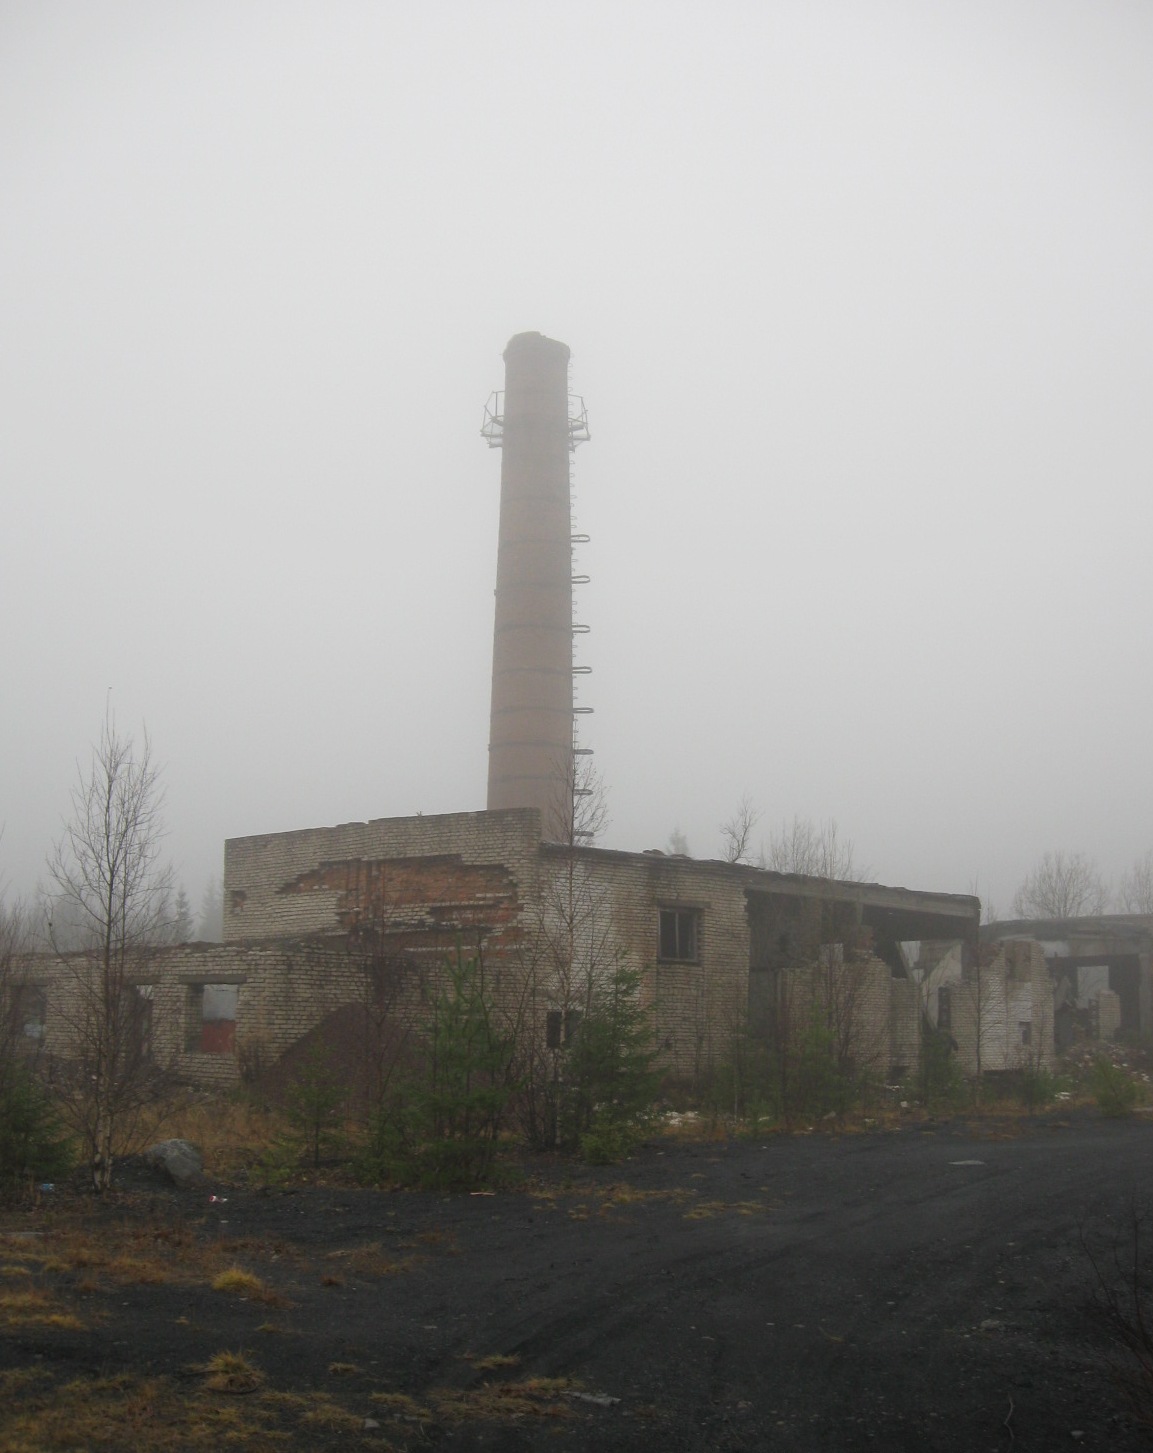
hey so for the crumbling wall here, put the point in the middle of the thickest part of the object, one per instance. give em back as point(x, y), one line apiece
point(250, 988)
point(214, 1014)
point(1001, 1011)
point(451, 873)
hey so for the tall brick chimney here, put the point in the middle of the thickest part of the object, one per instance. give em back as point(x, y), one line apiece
point(531, 734)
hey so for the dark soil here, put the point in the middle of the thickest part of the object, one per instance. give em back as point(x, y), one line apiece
point(928, 1288)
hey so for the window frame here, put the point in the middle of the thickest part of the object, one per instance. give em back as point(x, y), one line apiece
point(686, 923)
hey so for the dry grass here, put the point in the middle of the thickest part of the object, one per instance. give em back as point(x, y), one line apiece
point(123, 1253)
point(236, 1282)
point(498, 1361)
point(231, 1372)
point(622, 1195)
point(327, 1414)
point(31, 1306)
point(439, 1240)
point(706, 1210)
point(262, 1248)
point(533, 1397)
point(370, 1261)
point(110, 1415)
point(402, 1406)
point(227, 1406)
point(230, 1134)
point(536, 1397)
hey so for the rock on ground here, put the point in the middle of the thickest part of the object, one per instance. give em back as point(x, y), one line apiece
point(179, 1160)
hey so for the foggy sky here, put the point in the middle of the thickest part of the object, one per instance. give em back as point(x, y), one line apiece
point(858, 296)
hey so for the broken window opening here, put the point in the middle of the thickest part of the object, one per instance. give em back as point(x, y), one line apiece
point(211, 1027)
point(679, 935)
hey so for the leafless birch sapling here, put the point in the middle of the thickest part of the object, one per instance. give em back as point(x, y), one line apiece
point(108, 883)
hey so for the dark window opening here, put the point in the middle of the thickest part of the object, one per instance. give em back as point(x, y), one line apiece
point(679, 935)
point(29, 1010)
point(1026, 1029)
point(944, 1009)
point(211, 1026)
point(560, 1027)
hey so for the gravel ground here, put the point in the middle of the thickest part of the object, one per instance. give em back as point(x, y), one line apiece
point(927, 1288)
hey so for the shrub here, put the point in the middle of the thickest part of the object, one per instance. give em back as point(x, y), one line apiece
point(315, 1106)
point(1113, 1088)
point(819, 1084)
point(1038, 1087)
point(609, 1081)
point(31, 1138)
point(940, 1084)
point(740, 1088)
point(439, 1125)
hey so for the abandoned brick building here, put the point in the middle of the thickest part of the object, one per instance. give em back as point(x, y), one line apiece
point(711, 940)
point(312, 919)
point(320, 921)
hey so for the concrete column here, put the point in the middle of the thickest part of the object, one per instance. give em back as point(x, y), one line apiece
point(530, 737)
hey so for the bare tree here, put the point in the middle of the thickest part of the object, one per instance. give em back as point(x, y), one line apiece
point(109, 884)
point(814, 850)
point(737, 832)
point(590, 804)
point(1136, 894)
point(1063, 885)
point(570, 950)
